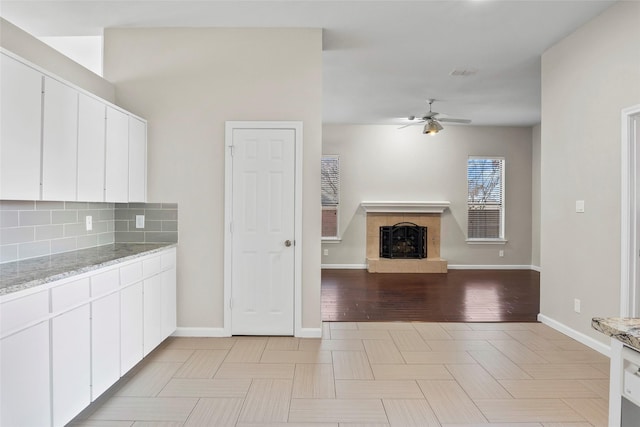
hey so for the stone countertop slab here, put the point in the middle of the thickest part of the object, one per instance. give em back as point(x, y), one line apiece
point(624, 329)
point(20, 275)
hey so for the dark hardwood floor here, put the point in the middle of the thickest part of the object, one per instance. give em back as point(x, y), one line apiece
point(457, 296)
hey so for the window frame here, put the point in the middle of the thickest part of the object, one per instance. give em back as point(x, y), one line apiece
point(336, 238)
point(501, 239)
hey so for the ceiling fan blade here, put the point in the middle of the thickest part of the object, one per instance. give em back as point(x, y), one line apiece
point(447, 120)
point(411, 124)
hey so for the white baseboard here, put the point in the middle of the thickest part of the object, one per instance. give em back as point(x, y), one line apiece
point(536, 268)
point(343, 266)
point(309, 333)
point(200, 332)
point(490, 267)
point(578, 336)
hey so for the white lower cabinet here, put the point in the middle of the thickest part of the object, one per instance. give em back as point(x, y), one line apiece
point(152, 313)
point(131, 327)
point(105, 343)
point(70, 364)
point(65, 345)
point(24, 376)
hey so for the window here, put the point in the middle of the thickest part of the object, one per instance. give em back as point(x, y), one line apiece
point(485, 200)
point(330, 181)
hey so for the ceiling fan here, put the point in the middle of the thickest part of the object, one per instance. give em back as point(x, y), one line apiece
point(432, 121)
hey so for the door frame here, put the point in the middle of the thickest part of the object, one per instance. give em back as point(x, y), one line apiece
point(630, 247)
point(230, 126)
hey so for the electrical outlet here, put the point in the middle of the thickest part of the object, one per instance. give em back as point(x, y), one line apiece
point(501, 252)
point(580, 206)
point(576, 305)
point(326, 252)
point(139, 221)
point(88, 222)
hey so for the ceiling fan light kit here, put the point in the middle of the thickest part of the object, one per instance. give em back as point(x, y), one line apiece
point(432, 127)
point(432, 122)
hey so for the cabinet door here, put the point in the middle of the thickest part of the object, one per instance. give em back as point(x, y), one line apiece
point(117, 156)
point(105, 343)
point(24, 378)
point(168, 302)
point(59, 141)
point(152, 313)
point(91, 137)
point(131, 319)
point(20, 130)
point(71, 364)
point(137, 160)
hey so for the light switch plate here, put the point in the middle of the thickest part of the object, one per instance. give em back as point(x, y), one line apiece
point(139, 221)
point(580, 206)
point(88, 222)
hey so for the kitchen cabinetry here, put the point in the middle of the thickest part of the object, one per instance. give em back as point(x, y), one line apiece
point(21, 118)
point(24, 361)
point(91, 135)
point(59, 141)
point(137, 160)
point(63, 346)
point(117, 156)
point(53, 137)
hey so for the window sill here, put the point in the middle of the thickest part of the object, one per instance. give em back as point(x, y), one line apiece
point(487, 241)
point(332, 240)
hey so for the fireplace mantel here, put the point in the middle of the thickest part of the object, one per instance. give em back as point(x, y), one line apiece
point(405, 207)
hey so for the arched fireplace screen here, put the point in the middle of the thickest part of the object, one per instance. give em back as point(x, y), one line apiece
point(403, 240)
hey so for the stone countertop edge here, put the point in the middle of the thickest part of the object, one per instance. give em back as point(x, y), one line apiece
point(20, 275)
point(624, 329)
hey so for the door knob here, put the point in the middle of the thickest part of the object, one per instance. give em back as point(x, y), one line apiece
point(287, 243)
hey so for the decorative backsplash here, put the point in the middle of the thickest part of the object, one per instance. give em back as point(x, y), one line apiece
point(30, 229)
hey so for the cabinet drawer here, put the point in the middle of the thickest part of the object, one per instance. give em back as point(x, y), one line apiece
point(20, 312)
point(70, 294)
point(169, 259)
point(105, 282)
point(131, 273)
point(151, 266)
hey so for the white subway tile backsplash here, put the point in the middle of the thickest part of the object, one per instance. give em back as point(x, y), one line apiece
point(35, 218)
point(49, 232)
point(63, 245)
point(12, 235)
point(34, 249)
point(17, 205)
point(9, 219)
point(8, 253)
point(64, 217)
point(46, 205)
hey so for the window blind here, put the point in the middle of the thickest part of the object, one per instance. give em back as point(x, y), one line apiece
point(485, 179)
point(330, 193)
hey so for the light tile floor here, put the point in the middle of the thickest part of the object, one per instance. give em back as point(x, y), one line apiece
point(366, 374)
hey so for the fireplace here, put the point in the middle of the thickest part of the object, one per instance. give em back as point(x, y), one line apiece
point(404, 240)
point(389, 216)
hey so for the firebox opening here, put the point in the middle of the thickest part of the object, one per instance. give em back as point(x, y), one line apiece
point(403, 240)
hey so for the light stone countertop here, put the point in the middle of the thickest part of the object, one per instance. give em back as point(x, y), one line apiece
point(624, 329)
point(20, 275)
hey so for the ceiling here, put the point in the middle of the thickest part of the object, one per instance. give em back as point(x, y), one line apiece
point(381, 59)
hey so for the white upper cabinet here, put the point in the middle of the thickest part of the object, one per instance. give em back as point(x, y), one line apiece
point(137, 160)
point(59, 141)
point(91, 136)
point(20, 130)
point(117, 160)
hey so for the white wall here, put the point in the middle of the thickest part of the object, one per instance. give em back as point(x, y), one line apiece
point(587, 79)
point(30, 48)
point(381, 163)
point(535, 196)
point(187, 83)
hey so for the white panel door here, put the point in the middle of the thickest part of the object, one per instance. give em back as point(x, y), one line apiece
point(91, 137)
point(117, 152)
point(20, 130)
point(263, 232)
point(137, 160)
point(59, 141)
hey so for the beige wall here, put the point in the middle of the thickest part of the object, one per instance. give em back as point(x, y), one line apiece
point(535, 196)
point(382, 163)
point(30, 48)
point(187, 83)
point(587, 79)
